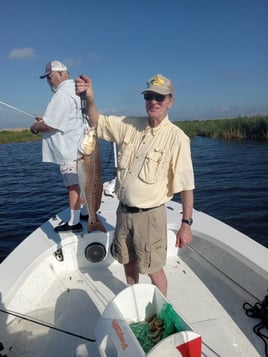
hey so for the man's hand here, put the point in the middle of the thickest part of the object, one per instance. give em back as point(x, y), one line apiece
point(39, 126)
point(34, 128)
point(184, 236)
point(84, 84)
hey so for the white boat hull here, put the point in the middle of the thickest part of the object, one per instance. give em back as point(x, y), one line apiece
point(52, 296)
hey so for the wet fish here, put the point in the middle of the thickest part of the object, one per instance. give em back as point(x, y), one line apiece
point(90, 181)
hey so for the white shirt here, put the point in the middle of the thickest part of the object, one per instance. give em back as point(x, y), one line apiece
point(63, 114)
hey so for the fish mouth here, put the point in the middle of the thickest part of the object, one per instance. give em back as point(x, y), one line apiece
point(87, 144)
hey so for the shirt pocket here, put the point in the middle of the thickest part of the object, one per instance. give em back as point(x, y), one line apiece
point(125, 153)
point(154, 166)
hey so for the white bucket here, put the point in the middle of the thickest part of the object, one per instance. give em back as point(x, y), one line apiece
point(136, 303)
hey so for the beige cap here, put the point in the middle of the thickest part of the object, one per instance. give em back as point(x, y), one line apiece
point(159, 84)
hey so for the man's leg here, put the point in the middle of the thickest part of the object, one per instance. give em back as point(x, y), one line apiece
point(132, 272)
point(159, 279)
point(74, 197)
point(74, 203)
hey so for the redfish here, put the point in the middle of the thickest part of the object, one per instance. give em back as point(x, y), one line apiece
point(90, 180)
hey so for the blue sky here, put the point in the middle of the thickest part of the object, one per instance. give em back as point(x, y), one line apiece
point(214, 51)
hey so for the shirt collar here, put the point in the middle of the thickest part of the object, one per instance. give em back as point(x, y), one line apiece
point(64, 82)
point(154, 130)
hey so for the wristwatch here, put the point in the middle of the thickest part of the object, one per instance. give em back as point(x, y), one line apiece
point(188, 221)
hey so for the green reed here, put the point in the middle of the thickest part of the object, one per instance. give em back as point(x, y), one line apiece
point(253, 128)
point(17, 136)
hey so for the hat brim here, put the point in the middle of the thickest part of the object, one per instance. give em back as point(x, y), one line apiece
point(45, 74)
point(157, 90)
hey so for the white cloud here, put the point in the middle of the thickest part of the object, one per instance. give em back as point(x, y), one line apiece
point(21, 53)
point(94, 56)
point(71, 62)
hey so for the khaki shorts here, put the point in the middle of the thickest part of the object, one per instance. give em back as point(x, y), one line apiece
point(141, 237)
point(69, 174)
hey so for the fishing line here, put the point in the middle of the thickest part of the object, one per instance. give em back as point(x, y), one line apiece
point(18, 110)
point(45, 324)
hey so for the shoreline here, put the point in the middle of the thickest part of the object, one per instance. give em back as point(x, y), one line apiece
point(241, 128)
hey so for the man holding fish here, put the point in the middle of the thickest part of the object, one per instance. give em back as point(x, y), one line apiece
point(154, 162)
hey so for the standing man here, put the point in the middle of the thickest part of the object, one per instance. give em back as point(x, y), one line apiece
point(61, 128)
point(154, 162)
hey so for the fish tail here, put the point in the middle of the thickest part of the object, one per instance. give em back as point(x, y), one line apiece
point(96, 225)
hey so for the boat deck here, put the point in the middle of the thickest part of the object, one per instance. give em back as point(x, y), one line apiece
point(73, 300)
point(57, 302)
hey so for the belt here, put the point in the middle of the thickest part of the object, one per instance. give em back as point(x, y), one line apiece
point(128, 209)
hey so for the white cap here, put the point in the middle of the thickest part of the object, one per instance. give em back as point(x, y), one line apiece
point(54, 66)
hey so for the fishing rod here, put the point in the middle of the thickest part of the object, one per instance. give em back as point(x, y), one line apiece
point(115, 155)
point(45, 324)
point(18, 110)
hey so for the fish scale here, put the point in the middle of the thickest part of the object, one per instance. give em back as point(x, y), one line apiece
point(90, 180)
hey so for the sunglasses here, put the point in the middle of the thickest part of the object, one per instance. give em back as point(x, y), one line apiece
point(49, 76)
point(157, 97)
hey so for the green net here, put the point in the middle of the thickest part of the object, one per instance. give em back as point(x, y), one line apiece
point(159, 326)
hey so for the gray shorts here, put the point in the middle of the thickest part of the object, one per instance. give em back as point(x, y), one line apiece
point(141, 237)
point(69, 174)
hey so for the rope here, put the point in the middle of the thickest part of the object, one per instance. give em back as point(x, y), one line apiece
point(260, 311)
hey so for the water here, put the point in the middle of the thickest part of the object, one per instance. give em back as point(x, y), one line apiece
point(231, 185)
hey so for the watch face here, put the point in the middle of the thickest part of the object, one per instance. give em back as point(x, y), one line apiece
point(188, 221)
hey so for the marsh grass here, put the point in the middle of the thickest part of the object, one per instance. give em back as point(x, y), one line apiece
point(17, 136)
point(252, 128)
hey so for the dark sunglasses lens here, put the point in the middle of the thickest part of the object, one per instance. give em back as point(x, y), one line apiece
point(148, 97)
point(157, 97)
